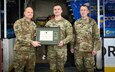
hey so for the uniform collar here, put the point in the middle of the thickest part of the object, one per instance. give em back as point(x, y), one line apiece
point(58, 20)
point(85, 20)
point(26, 19)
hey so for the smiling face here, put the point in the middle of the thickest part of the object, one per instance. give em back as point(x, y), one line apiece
point(28, 13)
point(57, 10)
point(84, 11)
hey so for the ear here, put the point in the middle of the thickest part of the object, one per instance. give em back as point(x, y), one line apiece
point(88, 11)
point(61, 11)
point(24, 13)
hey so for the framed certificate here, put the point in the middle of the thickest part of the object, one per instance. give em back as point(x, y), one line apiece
point(48, 35)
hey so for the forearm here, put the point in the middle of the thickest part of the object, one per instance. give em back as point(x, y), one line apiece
point(24, 40)
point(67, 39)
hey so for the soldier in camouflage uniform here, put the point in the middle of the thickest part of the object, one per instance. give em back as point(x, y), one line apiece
point(86, 41)
point(57, 54)
point(24, 51)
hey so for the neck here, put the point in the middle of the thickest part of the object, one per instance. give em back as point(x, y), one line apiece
point(27, 19)
point(58, 17)
point(85, 17)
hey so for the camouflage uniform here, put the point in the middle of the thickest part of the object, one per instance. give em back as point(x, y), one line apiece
point(57, 56)
point(24, 52)
point(87, 39)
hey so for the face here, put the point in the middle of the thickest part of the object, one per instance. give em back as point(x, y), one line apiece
point(84, 11)
point(28, 13)
point(57, 10)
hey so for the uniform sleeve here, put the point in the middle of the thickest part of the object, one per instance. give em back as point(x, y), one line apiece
point(69, 33)
point(35, 26)
point(47, 24)
point(21, 37)
point(73, 41)
point(96, 37)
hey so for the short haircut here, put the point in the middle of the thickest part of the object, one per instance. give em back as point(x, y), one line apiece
point(85, 6)
point(57, 4)
point(28, 7)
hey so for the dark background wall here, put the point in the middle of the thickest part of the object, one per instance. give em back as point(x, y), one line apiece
point(44, 8)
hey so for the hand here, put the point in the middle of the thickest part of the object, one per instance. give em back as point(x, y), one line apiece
point(94, 52)
point(43, 57)
point(34, 35)
point(72, 50)
point(61, 43)
point(36, 43)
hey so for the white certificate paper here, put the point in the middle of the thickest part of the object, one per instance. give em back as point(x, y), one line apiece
point(46, 35)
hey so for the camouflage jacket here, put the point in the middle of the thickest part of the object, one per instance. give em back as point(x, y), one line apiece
point(65, 26)
point(87, 35)
point(25, 33)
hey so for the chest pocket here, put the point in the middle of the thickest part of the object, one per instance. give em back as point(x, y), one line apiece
point(88, 29)
point(62, 25)
point(84, 29)
point(27, 28)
